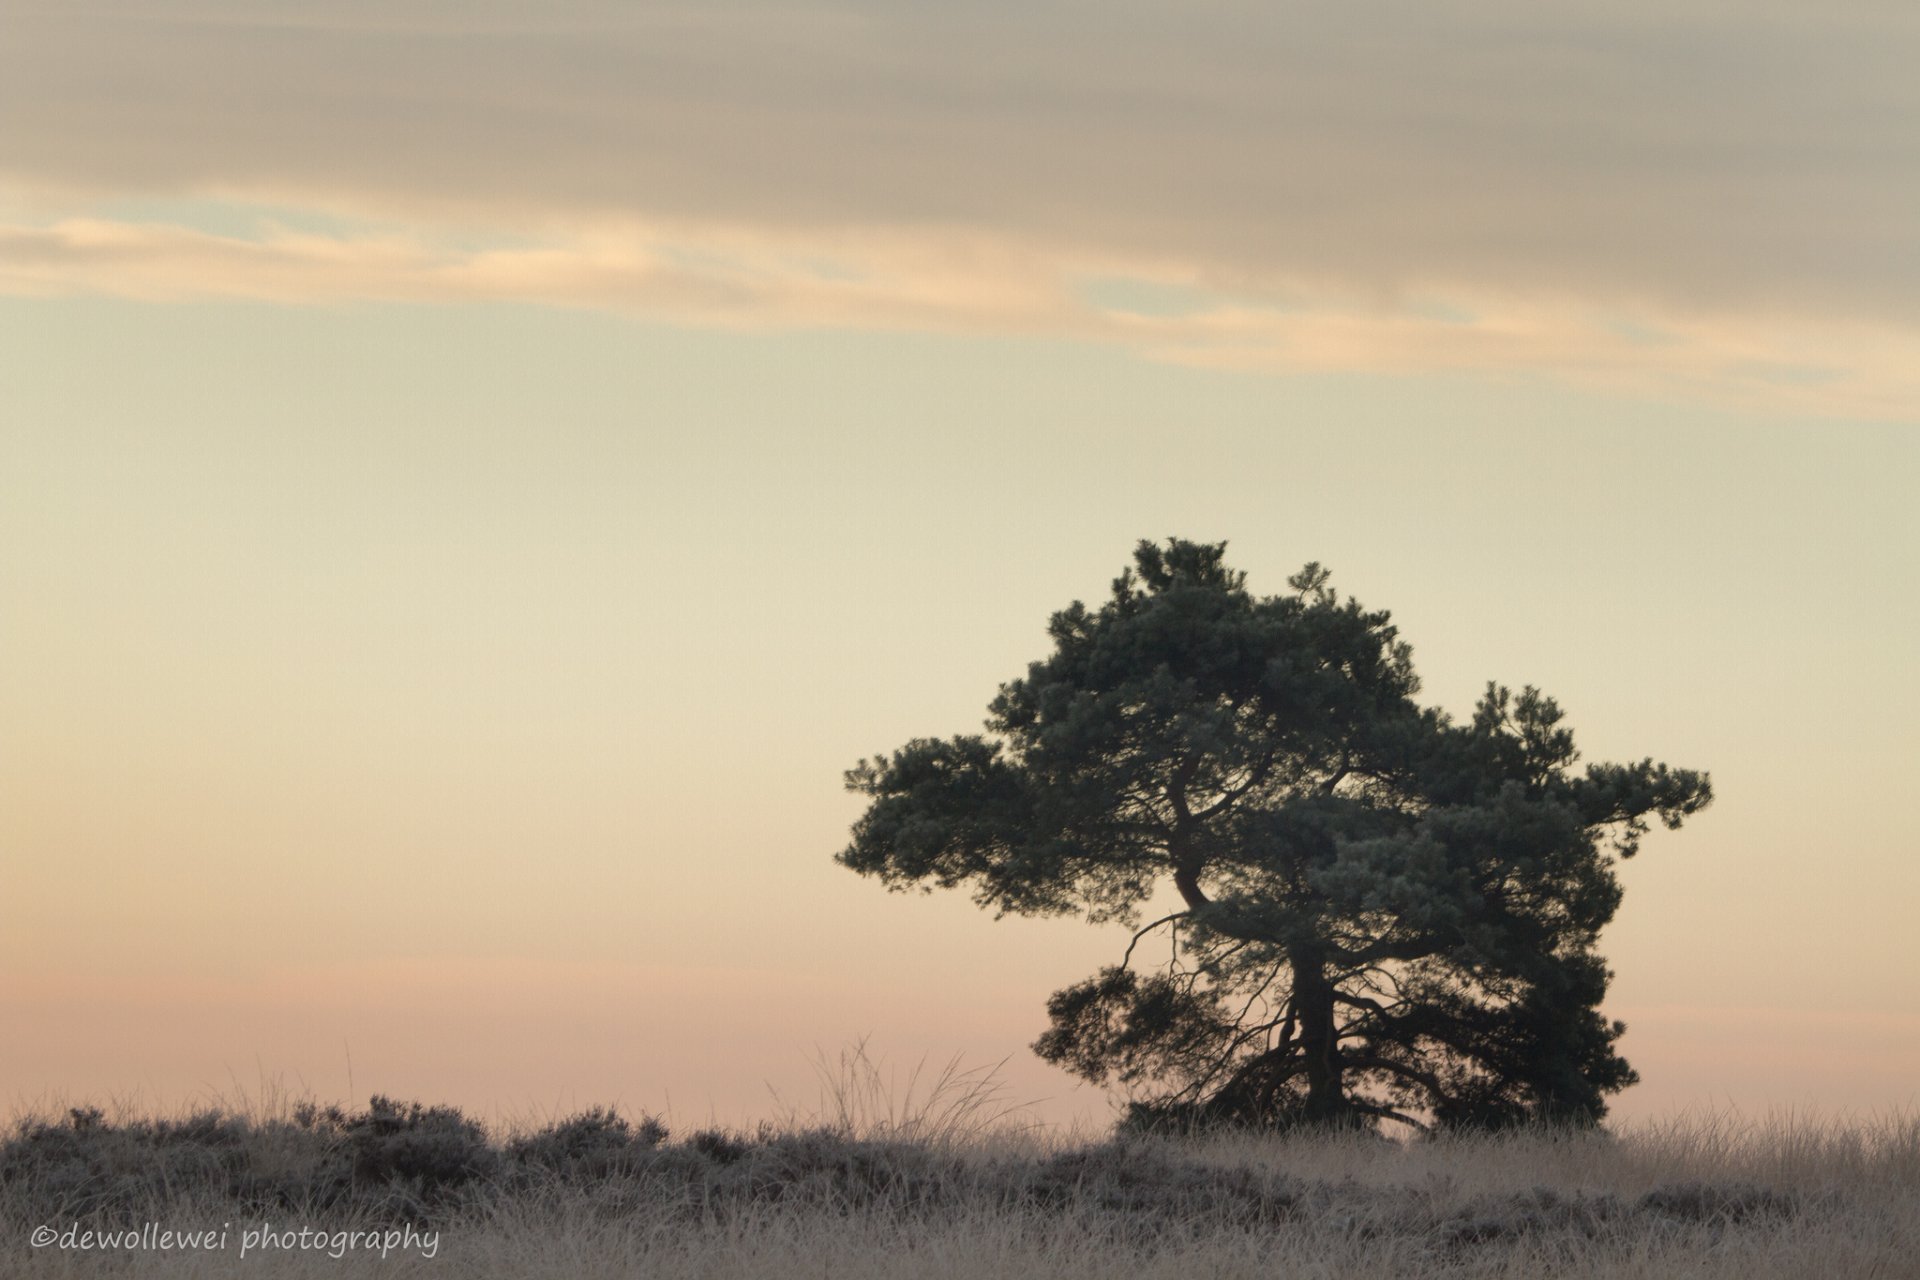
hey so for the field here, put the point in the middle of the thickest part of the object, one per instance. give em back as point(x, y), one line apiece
point(950, 1189)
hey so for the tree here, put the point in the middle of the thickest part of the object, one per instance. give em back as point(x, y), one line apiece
point(1378, 913)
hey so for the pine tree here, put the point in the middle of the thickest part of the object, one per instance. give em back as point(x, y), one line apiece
point(1382, 914)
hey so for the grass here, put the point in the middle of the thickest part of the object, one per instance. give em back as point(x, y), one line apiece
point(935, 1180)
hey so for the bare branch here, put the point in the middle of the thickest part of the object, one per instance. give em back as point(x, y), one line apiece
point(1147, 930)
point(1426, 1079)
point(1388, 1113)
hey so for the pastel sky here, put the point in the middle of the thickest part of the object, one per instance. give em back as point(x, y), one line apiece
point(473, 475)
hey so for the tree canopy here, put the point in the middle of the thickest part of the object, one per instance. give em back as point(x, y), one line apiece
point(1375, 912)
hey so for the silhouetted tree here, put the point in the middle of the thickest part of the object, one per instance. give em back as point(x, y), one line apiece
point(1381, 913)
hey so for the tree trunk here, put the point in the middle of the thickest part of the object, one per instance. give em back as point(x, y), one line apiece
point(1313, 1005)
point(1313, 1001)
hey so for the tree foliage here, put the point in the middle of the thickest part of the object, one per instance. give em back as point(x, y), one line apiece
point(1378, 912)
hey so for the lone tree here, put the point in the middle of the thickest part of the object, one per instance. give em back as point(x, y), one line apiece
point(1381, 913)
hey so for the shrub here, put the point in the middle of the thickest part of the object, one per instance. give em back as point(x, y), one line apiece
point(429, 1150)
point(593, 1144)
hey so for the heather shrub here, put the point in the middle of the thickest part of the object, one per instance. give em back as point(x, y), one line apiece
point(84, 1164)
point(1142, 1181)
point(599, 1194)
point(425, 1153)
point(598, 1143)
point(1703, 1202)
point(720, 1146)
point(827, 1168)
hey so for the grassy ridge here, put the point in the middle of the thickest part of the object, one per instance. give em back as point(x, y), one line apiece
point(941, 1194)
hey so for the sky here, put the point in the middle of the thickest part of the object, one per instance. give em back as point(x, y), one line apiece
point(473, 476)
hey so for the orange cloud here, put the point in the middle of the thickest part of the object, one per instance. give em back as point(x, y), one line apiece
point(963, 280)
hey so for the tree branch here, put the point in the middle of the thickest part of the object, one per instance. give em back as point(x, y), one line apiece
point(1425, 1078)
point(1346, 767)
point(1186, 878)
point(1149, 929)
point(1388, 1113)
point(1255, 777)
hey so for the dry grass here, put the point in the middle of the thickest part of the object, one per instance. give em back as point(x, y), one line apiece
point(863, 1099)
point(933, 1183)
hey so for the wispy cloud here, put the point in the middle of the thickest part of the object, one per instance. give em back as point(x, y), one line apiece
point(958, 280)
point(1671, 197)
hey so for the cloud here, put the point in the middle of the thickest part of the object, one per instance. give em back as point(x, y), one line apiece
point(708, 275)
point(1342, 181)
point(960, 281)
